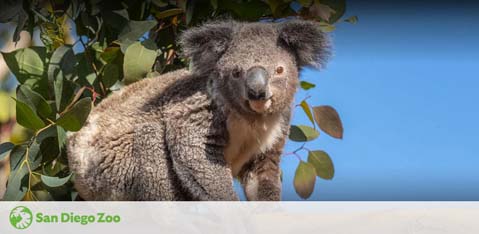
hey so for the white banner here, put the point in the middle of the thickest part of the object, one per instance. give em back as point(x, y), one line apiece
point(239, 217)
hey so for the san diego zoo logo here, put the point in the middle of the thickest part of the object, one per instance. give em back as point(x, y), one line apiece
point(21, 217)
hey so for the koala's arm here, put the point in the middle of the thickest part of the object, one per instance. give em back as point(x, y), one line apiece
point(199, 163)
point(261, 177)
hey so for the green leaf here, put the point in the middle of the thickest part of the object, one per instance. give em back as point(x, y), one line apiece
point(7, 107)
point(34, 156)
point(322, 163)
point(304, 179)
point(339, 7)
point(352, 19)
point(84, 68)
point(53, 182)
point(49, 150)
point(110, 54)
point(305, 3)
point(111, 74)
point(138, 62)
point(325, 27)
point(25, 63)
point(214, 4)
point(62, 67)
point(321, 11)
point(328, 120)
point(58, 90)
point(281, 9)
point(160, 3)
point(17, 185)
point(197, 11)
point(116, 20)
point(249, 10)
point(135, 29)
point(302, 133)
point(43, 195)
point(168, 13)
point(62, 136)
point(13, 11)
point(307, 111)
point(74, 118)
point(34, 100)
point(17, 155)
point(306, 85)
point(5, 148)
point(46, 133)
point(63, 60)
point(27, 117)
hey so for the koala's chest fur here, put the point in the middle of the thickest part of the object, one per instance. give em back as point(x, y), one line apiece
point(248, 139)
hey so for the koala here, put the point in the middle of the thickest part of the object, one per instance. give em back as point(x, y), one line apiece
point(187, 134)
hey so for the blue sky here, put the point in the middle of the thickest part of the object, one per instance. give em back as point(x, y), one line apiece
point(405, 82)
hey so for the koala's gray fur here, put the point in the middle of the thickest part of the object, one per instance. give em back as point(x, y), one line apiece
point(186, 134)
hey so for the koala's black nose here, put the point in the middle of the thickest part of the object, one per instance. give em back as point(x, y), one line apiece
point(257, 84)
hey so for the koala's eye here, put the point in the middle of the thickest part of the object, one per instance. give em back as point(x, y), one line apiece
point(279, 70)
point(236, 72)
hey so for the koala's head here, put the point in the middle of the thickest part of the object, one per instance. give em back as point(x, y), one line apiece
point(254, 67)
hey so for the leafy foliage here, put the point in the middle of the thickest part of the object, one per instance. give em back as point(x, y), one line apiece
point(118, 43)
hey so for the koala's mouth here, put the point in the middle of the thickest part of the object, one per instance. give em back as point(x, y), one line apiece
point(259, 106)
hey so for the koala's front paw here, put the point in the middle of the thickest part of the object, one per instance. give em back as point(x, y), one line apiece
point(262, 190)
point(268, 191)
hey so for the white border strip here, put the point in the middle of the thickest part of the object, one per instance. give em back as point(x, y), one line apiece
point(250, 217)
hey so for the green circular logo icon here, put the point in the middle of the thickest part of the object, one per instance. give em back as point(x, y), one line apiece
point(21, 217)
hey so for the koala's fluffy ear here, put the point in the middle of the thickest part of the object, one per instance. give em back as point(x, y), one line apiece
point(307, 41)
point(205, 44)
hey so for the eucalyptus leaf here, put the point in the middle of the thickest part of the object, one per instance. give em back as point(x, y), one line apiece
point(169, 13)
point(111, 74)
point(17, 185)
point(74, 118)
point(46, 133)
point(62, 67)
point(61, 136)
point(304, 179)
point(13, 11)
point(26, 63)
point(306, 85)
point(307, 110)
point(116, 20)
point(33, 100)
point(27, 117)
point(17, 155)
point(34, 155)
point(339, 7)
point(5, 149)
point(250, 10)
point(51, 181)
point(63, 60)
point(322, 163)
point(135, 29)
point(325, 27)
point(49, 149)
point(302, 133)
point(111, 54)
point(214, 4)
point(7, 107)
point(305, 3)
point(328, 120)
point(138, 62)
point(352, 20)
point(84, 68)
